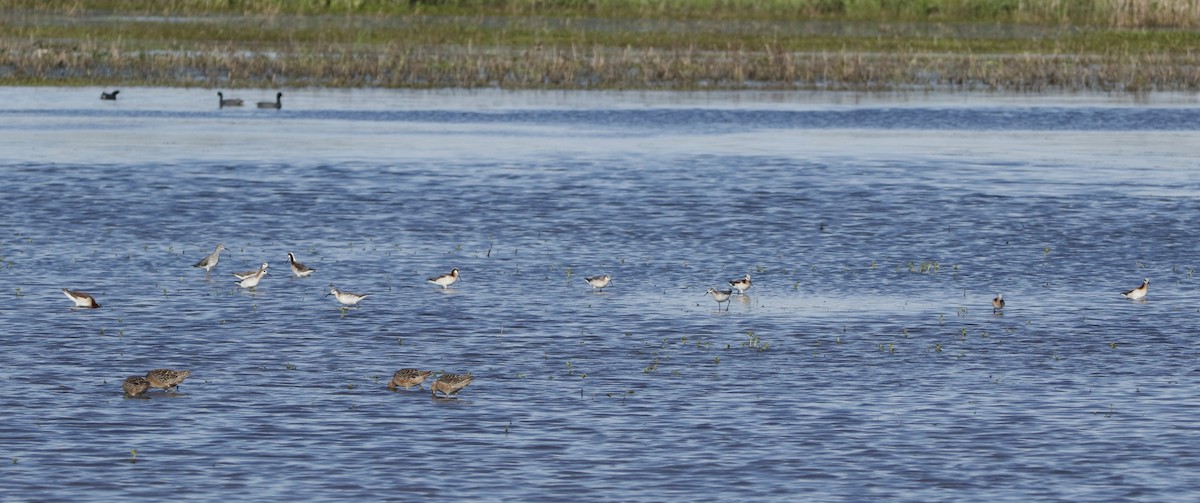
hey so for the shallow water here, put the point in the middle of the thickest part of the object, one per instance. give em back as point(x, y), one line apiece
point(876, 230)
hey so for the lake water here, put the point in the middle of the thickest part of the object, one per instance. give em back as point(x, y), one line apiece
point(865, 363)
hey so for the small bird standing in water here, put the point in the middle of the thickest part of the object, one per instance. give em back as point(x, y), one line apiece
point(997, 303)
point(248, 274)
point(451, 384)
point(210, 261)
point(254, 280)
point(407, 378)
point(445, 280)
point(1139, 292)
point(720, 296)
point(300, 270)
point(741, 284)
point(347, 298)
point(81, 299)
point(135, 386)
point(599, 282)
point(166, 379)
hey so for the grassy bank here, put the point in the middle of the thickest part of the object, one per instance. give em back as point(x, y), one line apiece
point(1026, 45)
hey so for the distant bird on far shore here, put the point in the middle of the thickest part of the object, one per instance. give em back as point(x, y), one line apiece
point(278, 103)
point(741, 284)
point(81, 299)
point(210, 261)
point(109, 96)
point(445, 280)
point(599, 282)
point(231, 102)
point(998, 303)
point(300, 270)
point(1139, 292)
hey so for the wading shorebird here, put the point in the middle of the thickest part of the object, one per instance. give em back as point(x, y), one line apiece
point(81, 299)
point(997, 303)
point(599, 282)
point(135, 386)
point(451, 384)
point(166, 379)
point(1139, 292)
point(109, 96)
point(209, 262)
point(300, 270)
point(248, 274)
point(741, 284)
point(278, 103)
point(445, 280)
point(231, 102)
point(720, 296)
point(407, 378)
point(254, 279)
point(347, 298)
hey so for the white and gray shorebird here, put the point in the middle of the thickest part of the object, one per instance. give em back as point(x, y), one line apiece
point(741, 284)
point(998, 303)
point(720, 296)
point(253, 280)
point(231, 102)
point(278, 103)
point(347, 298)
point(445, 280)
point(81, 299)
point(300, 270)
point(209, 262)
point(1139, 292)
point(599, 282)
point(248, 274)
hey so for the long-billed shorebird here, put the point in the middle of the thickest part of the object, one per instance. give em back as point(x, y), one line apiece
point(231, 102)
point(720, 296)
point(81, 299)
point(1139, 292)
point(407, 378)
point(599, 282)
point(166, 379)
point(209, 262)
point(347, 298)
point(135, 386)
point(741, 284)
point(451, 384)
point(445, 280)
point(300, 270)
point(998, 303)
point(248, 274)
point(254, 279)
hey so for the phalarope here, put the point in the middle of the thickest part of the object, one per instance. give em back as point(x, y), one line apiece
point(1139, 292)
point(347, 298)
point(599, 282)
point(445, 280)
point(135, 386)
point(166, 379)
point(720, 296)
point(741, 284)
point(300, 270)
point(209, 262)
point(998, 303)
point(254, 279)
point(407, 378)
point(248, 274)
point(81, 299)
point(451, 384)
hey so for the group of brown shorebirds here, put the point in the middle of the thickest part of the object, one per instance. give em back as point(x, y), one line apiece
point(447, 384)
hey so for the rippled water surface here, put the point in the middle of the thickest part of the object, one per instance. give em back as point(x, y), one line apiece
point(865, 363)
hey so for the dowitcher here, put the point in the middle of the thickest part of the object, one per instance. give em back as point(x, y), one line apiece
point(445, 280)
point(166, 379)
point(135, 385)
point(407, 378)
point(741, 284)
point(451, 384)
point(300, 270)
point(209, 262)
point(81, 299)
point(1139, 292)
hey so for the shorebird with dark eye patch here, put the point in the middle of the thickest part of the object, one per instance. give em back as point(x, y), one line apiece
point(347, 298)
point(741, 284)
point(300, 270)
point(997, 303)
point(720, 296)
point(249, 274)
point(135, 386)
point(407, 378)
point(445, 280)
point(210, 261)
point(599, 282)
point(166, 379)
point(451, 384)
point(81, 299)
point(1139, 292)
point(255, 279)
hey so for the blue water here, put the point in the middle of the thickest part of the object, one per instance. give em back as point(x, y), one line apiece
point(864, 364)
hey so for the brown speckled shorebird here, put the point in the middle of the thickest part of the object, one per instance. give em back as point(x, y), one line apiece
point(135, 386)
point(407, 378)
point(166, 379)
point(998, 303)
point(81, 299)
point(451, 384)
